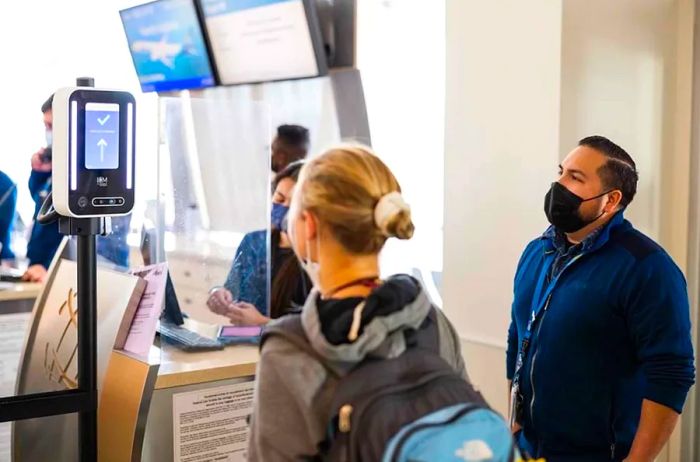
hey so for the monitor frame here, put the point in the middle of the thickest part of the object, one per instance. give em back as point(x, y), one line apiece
point(317, 43)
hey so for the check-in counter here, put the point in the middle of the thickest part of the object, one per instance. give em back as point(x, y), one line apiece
point(18, 297)
point(136, 406)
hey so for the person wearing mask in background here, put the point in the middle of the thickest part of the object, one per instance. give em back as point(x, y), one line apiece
point(8, 205)
point(600, 357)
point(45, 239)
point(243, 298)
point(346, 205)
point(290, 145)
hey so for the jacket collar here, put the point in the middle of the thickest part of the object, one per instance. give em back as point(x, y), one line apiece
point(552, 238)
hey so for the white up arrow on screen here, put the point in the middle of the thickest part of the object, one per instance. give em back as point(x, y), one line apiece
point(102, 143)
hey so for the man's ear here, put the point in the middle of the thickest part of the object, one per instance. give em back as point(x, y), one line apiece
point(614, 201)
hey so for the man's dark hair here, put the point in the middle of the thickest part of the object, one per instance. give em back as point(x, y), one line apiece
point(294, 136)
point(290, 171)
point(619, 172)
point(46, 107)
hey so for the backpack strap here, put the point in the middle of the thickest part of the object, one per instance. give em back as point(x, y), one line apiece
point(427, 336)
point(290, 328)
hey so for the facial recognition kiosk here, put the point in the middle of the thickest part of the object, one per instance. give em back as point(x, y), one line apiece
point(93, 179)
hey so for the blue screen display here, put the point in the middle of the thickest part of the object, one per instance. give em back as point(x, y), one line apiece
point(167, 46)
point(101, 136)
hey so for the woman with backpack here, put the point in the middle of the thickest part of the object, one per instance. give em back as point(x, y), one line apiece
point(366, 356)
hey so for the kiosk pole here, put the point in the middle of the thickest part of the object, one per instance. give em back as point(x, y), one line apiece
point(87, 322)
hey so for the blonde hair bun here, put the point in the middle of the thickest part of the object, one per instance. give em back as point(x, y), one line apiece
point(356, 197)
point(392, 216)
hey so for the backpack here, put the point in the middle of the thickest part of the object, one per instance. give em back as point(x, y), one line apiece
point(412, 408)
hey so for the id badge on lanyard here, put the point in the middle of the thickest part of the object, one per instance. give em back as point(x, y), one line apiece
point(540, 304)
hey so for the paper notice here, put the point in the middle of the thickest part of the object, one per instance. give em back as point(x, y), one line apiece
point(143, 327)
point(212, 425)
point(13, 328)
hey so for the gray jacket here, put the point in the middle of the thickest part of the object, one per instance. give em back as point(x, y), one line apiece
point(293, 391)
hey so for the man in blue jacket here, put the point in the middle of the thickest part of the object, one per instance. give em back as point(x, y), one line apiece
point(600, 357)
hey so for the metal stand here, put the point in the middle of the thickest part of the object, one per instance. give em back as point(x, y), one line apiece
point(86, 230)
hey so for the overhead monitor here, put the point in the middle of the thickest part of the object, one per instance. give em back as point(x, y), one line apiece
point(167, 46)
point(264, 40)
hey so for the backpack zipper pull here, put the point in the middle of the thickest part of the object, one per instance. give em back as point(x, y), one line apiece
point(344, 418)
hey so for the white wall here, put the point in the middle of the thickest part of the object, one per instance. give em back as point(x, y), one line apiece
point(401, 55)
point(625, 75)
point(501, 149)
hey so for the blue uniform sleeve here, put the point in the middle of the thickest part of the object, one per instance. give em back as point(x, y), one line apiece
point(658, 318)
point(7, 219)
point(233, 279)
point(247, 279)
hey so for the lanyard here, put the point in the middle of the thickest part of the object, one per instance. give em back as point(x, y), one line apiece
point(540, 304)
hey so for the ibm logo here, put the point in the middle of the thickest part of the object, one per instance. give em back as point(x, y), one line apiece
point(102, 181)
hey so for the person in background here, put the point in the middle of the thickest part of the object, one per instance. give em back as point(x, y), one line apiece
point(290, 145)
point(243, 297)
point(600, 356)
point(345, 207)
point(45, 239)
point(8, 205)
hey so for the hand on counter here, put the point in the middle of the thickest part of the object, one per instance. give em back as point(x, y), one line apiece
point(35, 273)
point(245, 314)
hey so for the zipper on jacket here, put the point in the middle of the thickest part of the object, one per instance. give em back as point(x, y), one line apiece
point(613, 442)
point(539, 327)
point(532, 364)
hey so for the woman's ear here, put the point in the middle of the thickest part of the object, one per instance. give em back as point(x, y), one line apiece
point(310, 224)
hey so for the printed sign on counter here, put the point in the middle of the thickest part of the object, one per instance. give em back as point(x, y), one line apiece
point(212, 425)
point(143, 327)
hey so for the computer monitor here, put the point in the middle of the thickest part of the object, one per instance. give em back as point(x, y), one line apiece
point(149, 251)
point(167, 46)
point(264, 40)
point(171, 311)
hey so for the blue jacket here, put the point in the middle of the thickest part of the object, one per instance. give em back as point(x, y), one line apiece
point(45, 239)
point(616, 332)
point(8, 204)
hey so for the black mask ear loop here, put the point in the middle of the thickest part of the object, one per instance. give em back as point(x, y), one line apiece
point(596, 197)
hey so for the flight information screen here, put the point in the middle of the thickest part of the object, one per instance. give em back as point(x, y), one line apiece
point(167, 46)
point(260, 40)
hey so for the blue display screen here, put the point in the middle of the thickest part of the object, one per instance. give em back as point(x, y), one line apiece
point(167, 46)
point(101, 136)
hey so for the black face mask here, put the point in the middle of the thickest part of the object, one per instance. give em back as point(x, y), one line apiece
point(562, 209)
